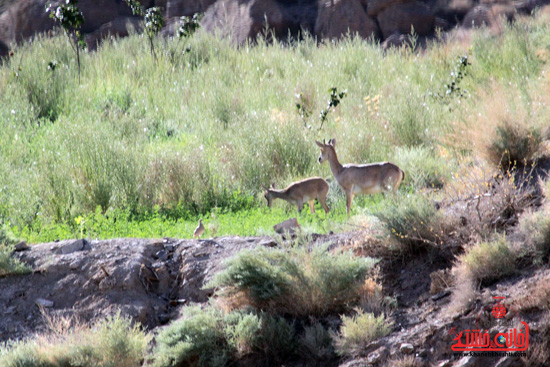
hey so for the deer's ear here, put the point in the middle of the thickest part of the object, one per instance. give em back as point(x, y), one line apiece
point(319, 143)
point(273, 185)
point(332, 142)
point(263, 187)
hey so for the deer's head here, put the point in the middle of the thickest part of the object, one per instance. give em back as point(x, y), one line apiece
point(268, 194)
point(326, 149)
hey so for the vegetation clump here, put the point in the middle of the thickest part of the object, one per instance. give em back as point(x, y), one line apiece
point(296, 282)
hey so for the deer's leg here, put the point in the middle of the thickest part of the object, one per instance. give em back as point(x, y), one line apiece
point(322, 200)
point(300, 205)
point(349, 199)
point(312, 206)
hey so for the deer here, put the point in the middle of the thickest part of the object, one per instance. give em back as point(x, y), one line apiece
point(360, 178)
point(298, 193)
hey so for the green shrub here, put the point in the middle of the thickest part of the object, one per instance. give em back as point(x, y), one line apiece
point(296, 281)
point(8, 264)
point(413, 221)
point(197, 339)
point(315, 344)
point(277, 340)
point(242, 331)
point(422, 167)
point(487, 262)
point(358, 331)
point(207, 337)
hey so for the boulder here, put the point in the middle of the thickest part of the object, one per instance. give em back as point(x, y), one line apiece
point(402, 17)
point(245, 20)
point(374, 7)
point(23, 19)
point(177, 8)
point(26, 18)
point(119, 27)
point(485, 15)
point(396, 40)
point(336, 18)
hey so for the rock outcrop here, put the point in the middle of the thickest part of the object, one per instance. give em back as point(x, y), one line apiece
point(244, 20)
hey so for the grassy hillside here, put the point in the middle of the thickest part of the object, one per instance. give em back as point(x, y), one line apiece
point(145, 146)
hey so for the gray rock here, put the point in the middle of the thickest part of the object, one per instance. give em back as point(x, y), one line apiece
point(161, 255)
point(378, 355)
point(268, 243)
point(75, 246)
point(21, 246)
point(44, 302)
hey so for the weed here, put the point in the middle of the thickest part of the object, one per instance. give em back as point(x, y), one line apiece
point(358, 331)
point(535, 227)
point(9, 265)
point(315, 344)
point(487, 262)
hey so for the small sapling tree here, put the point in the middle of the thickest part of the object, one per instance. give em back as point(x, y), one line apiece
point(71, 19)
point(154, 21)
point(335, 99)
point(188, 26)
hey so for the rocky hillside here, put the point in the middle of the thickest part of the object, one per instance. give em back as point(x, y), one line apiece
point(151, 280)
point(387, 21)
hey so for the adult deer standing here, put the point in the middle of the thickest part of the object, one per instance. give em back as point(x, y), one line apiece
point(360, 178)
point(301, 192)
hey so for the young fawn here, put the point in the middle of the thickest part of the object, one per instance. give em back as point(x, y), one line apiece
point(298, 193)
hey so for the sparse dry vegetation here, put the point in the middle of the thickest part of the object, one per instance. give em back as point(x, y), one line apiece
point(358, 331)
point(487, 262)
point(111, 342)
point(8, 263)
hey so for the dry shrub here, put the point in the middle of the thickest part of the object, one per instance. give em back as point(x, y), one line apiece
point(514, 144)
point(358, 331)
point(508, 133)
point(373, 299)
point(534, 226)
point(537, 298)
point(482, 264)
point(404, 361)
point(487, 262)
point(110, 342)
point(538, 354)
point(441, 280)
point(485, 201)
